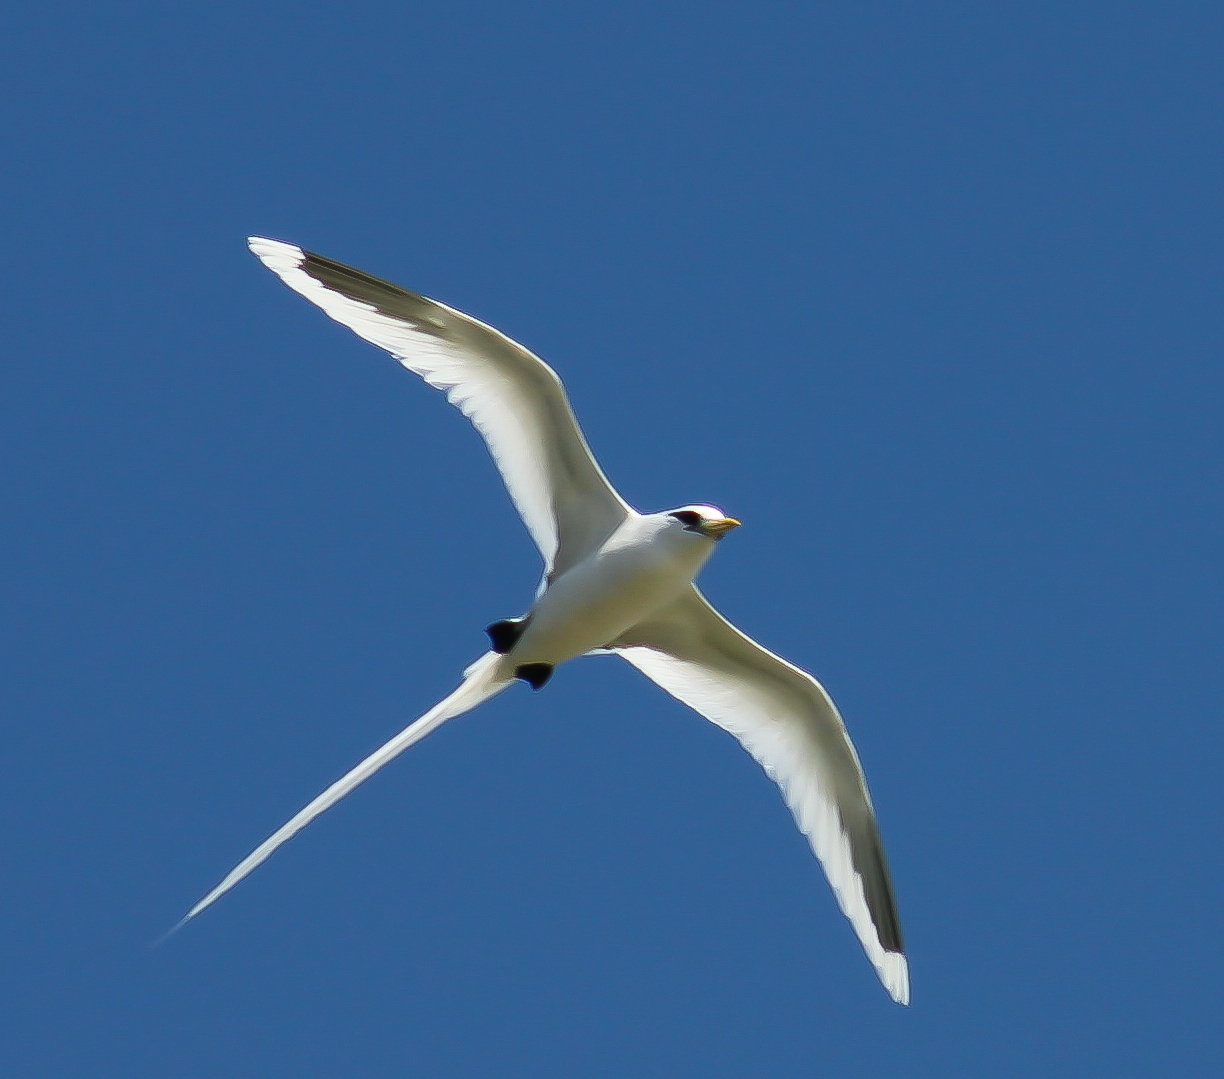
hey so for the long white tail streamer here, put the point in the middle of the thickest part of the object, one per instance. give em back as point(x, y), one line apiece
point(481, 681)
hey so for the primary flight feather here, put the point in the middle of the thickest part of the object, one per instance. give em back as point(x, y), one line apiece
point(615, 580)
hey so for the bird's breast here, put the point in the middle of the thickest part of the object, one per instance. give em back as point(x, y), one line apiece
point(601, 597)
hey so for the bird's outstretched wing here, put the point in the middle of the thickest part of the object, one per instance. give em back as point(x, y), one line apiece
point(786, 720)
point(512, 397)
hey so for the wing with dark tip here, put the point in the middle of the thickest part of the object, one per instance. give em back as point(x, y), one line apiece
point(786, 720)
point(512, 397)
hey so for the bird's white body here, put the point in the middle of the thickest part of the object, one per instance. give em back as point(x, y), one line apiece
point(614, 580)
point(645, 564)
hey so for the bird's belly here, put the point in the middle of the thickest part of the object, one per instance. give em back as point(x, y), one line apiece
point(596, 602)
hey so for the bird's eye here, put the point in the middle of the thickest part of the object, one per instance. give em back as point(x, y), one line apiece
point(687, 517)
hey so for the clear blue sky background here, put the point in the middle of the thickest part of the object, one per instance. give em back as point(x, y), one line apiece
point(928, 294)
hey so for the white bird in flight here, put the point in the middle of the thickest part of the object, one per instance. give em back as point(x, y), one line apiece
point(615, 580)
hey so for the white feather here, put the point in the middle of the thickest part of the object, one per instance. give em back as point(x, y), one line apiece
point(787, 721)
point(513, 398)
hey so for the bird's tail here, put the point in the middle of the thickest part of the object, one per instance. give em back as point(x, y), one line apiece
point(485, 678)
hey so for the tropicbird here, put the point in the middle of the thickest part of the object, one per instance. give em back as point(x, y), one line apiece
point(615, 580)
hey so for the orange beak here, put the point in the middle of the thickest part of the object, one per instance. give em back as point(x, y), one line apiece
point(718, 529)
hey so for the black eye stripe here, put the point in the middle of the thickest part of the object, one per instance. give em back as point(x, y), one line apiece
point(687, 517)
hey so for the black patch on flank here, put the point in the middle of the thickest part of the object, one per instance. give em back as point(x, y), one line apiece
point(505, 634)
point(536, 675)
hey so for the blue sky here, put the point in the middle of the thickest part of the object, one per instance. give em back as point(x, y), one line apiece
point(927, 294)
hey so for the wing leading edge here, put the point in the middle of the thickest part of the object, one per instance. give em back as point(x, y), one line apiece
point(513, 398)
point(784, 718)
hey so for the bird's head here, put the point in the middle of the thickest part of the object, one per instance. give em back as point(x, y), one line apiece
point(708, 521)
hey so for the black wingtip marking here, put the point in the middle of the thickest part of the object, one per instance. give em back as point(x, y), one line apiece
point(878, 889)
point(536, 675)
point(385, 296)
point(505, 634)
